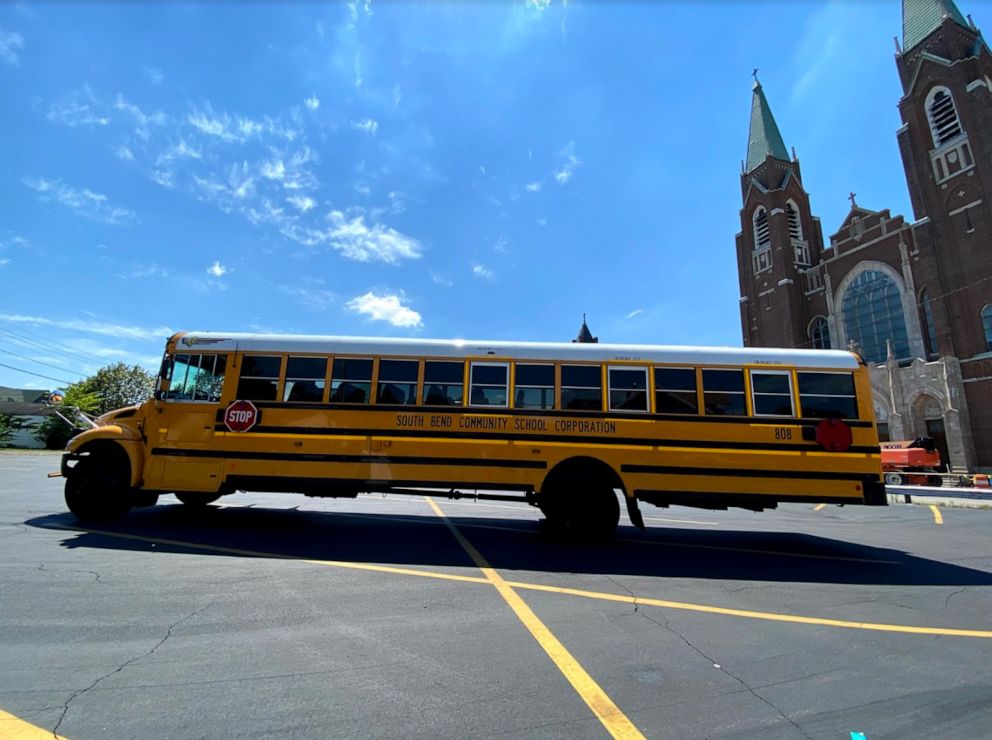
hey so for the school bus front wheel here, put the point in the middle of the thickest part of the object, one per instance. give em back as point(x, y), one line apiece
point(97, 487)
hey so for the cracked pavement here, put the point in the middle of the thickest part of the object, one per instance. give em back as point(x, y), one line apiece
point(104, 637)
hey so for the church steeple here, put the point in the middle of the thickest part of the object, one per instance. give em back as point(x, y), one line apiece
point(763, 137)
point(920, 18)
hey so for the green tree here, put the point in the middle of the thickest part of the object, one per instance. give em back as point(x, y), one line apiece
point(119, 385)
point(53, 431)
point(8, 425)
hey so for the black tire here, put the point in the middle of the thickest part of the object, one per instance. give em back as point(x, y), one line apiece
point(935, 480)
point(894, 479)
point(197, 500)
point(585, 509)
point(143, 499)
point(97, 489)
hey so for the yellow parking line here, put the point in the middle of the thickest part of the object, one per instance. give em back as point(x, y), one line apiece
point(603, 596)
point(819, 506)
point(614, 720)
point(938, 518)
point(15, 728)
point(767, 616)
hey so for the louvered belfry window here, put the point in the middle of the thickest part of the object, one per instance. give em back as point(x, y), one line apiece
point(762, 238)
point(795, 227)
point(944, 122)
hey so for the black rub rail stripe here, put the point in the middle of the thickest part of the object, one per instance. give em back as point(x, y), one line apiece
point(381, 459)
point(745, 472)
point(526, 438)
point(614, 415)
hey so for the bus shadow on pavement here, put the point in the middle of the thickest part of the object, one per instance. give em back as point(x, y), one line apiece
point(509, 544)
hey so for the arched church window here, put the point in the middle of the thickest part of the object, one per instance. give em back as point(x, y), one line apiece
point(819, 333)
point(872, 312)
point(943, 116)
point(929, 328)
point(762, 237)
point(795, 225)
point(987, 326)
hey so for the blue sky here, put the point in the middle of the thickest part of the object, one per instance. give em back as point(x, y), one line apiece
point(483, 169)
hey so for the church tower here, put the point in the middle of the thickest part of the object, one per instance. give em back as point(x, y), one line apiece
point(779, 238)
point(945, 68)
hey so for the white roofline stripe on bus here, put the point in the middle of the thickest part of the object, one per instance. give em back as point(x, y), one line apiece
point(561, 351)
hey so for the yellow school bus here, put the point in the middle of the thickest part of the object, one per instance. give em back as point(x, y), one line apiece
point(564, 427)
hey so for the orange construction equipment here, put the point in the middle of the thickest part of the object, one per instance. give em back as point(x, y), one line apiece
point(916, 462)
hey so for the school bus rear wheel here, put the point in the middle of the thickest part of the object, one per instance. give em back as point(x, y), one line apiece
point(579, 500)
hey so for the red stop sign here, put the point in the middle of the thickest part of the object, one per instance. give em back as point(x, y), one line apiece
point(241, 416)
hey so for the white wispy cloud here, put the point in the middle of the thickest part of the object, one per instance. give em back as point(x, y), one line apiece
point(103, 328)
point(533, 187)
point(124, 152)
point(179, 151)
point(502, 246)
point(11, 42)
point(152, 269)
point(217, 269)
point(635, 312)
point(4, 261)
point(153, 75)
point(441, 279)
point(142, 121)
point(235, 128)
point(368, 125)
point(302, 203)
point(483, 272)
point(315, 298)
point(79, 107)
point(386, 307)
point(564, 173)
point(83, 202)
point(313, 102)
point(356, 240)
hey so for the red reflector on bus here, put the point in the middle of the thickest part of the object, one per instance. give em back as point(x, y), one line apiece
point(834, 435)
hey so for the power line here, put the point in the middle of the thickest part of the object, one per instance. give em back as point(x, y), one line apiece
point(28, 372)
point(32, 344)
point(46, 364)
point(20, 330)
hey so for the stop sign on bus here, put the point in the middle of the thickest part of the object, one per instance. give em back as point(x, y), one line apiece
point(240, 416)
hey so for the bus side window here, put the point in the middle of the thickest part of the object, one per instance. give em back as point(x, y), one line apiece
point(351, 380)
point(675, 390)
point(397, 382)
point(824, 395)
point(259, 377)
point(723, 393)
point(443, 383)
point(178, 370)
point(628, 388)
point(534, 386)
point(489, 381)
point(771, 393)
point(581, 388)
point(305, 379)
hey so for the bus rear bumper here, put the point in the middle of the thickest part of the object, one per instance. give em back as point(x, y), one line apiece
point(875, 493)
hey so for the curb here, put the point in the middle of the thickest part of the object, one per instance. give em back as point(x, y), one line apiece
point(957, 497)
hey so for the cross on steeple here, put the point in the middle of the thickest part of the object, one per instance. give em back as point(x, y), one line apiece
point(851, 198)
point(754, 74)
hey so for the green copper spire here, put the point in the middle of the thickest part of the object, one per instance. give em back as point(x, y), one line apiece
point(921, 17)
point(763, 138)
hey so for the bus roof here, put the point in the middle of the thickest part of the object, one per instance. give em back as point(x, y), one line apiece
point(462, 348)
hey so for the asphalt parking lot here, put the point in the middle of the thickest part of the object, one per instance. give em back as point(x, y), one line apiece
point(277, 615)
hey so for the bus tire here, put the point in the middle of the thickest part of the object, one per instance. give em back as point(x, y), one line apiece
point(578, 499)
point(935, 481)
point(197, 500)
point(98, 487)
point(894, 479)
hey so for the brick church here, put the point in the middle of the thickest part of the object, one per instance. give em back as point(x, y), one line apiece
point(913, 296)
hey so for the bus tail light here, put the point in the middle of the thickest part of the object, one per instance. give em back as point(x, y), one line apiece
point(834, 435)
